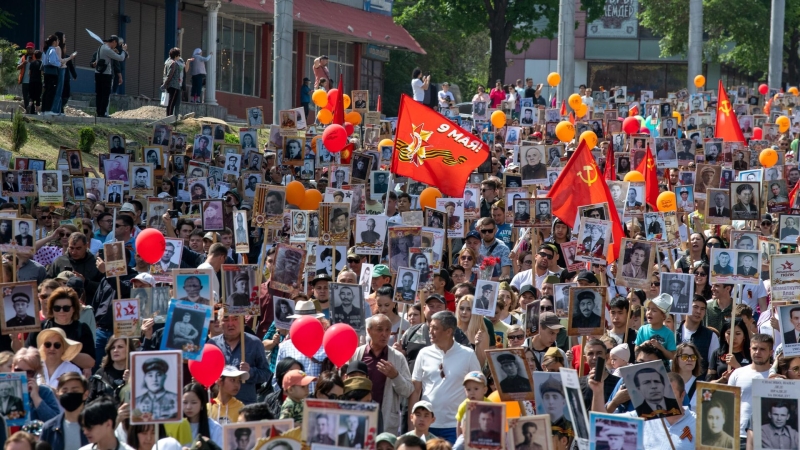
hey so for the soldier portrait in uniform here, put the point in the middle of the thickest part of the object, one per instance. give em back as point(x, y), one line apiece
point(615, 432)
point(155, 382)
point(511, 374)
point(322, 429)
point(485, 298)
point(530, 433)
point(405, 289)
point(586, 306)
point(348, 305)
point(19, 307)
point(484, 425)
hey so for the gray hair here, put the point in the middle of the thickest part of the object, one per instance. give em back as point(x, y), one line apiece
point(446, 319)
point(377, 319)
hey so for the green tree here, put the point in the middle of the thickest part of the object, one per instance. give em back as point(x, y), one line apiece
point(512, 24)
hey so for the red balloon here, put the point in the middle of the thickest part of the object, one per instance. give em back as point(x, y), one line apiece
point(630, 125)
point(348, 127)
point(150, 245)
point(758, 133)
point(307, 333)
point(763, 89)
point(340, 343)
point(333, 98)
point(335, 138)
point(644, 130)
point(208, 369)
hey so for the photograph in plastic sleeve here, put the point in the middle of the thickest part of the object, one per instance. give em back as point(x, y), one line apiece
point(658, 399)
point(14, 386)
point(400, 240)
point(511, 374)
point(472, 201)
point(19, 183)
point(193, 285)
point(718, 416)
point(593, 240)
point(530, 432)
point(289, 263)
point(586, 306)
point(455, 215)
point(406, 285)
point(156, 384)
point(20, 308)
point(127, 319)
point(775, 421)
point(115, 263)
point(421, 259)
point(708, 177)
point(746, 200)
point(615, 432)
point(785, 276)
point(485, 299)
point(348, 306)
point(680, 286)
point(339, 420)
point(240, 285)
point(186, 328)
point(522, 212)
point(570, 251)
point(284, 309)
point(434, 218)
point(576, 406)
point(637, 258)
point(532, 311)
point(483, 425)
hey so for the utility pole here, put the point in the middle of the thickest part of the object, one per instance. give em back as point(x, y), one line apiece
point(566, 49)
point(776, 44)
point(282, 73)
point(695, 53)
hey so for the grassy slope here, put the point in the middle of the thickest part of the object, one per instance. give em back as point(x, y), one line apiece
point(44, 139)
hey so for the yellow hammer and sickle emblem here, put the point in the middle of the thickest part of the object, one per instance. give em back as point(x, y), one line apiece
point(725, 107)
point(650, 164)
point(589, 179)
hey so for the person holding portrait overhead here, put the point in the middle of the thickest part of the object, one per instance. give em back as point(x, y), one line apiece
point(635, 268)
point(533, 168)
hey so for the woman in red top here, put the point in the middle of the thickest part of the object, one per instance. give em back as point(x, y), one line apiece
point(498, 94)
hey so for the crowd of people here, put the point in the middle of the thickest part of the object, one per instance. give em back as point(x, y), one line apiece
point(426, 352)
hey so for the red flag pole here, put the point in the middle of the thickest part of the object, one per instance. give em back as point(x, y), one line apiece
point(378, 107)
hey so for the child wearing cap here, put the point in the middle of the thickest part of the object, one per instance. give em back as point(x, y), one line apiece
point(422, 417)
point(655, 331)
point(225, 407)
point(475, 388)
point(295, 385)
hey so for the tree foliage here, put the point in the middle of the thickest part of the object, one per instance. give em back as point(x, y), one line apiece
point(736, 32)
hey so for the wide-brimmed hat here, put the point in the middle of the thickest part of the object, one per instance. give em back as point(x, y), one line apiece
point(71, 350)
point(305, 308)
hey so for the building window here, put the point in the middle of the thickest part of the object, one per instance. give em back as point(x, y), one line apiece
point(341, 58)
point(372, 80)
point(238, 66)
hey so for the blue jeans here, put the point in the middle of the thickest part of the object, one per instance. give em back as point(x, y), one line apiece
point(59, 89)
point(448, 434)
point(100, 341)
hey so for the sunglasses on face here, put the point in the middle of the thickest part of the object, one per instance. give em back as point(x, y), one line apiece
point(655, 284)
point(466, 258)
point(59, 308)
point(353, 260)
point(55, 345)
point(516, 337)
point(491, 230)
point(691, 358)
point(545, 255)
point(713, 245)
point(545, 308)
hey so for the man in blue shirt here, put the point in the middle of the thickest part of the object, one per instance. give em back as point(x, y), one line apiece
point(305, 95)
point(503, 229)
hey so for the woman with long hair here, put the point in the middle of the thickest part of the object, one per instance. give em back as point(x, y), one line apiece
point(329, 386)
point(143, 437)
point(275, 399)
point(69, 71)
point(195, 399)
point(112, 375)
point(697, 252)
point(53, 245)
point(702, 285)
point(472, 325)
point(509, 298)
point(468, 260)
point(733, 352)
point(686, 363)
point(62, 71)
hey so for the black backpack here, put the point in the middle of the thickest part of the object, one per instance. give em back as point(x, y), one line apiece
point(100, 64)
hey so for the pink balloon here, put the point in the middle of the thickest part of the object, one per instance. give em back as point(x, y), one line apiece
point(307, 335)
point(630, 125)
point(758, 133)
point(340, 343)
point(644, 130)
point(208, 369)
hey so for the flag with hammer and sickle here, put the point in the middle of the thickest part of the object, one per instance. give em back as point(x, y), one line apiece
point(727, 126)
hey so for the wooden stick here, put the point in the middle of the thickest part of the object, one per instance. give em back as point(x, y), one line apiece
point(14, 265)
point(119, 293)
point(580, 363)
point(733, 318)
point(666, 431)
point(241, 336)
point(627, 323)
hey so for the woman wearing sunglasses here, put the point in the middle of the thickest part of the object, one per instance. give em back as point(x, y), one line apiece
point(63, 312)
point(43, 402)
point(56, 352)
point(468, 259)
point(697, 252)
point(702, 283)
point(686, 363)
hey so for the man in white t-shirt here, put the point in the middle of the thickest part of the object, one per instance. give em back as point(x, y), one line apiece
point(446, 98)
point(539, 272)
point(587, 98)
point(760, 352)
point(419, 84)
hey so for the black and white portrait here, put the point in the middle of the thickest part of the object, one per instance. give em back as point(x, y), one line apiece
point(650, 390)
point(370, 233)
point(348, 305)
point(485, 298)
point(156, 386)
point(185, 327)
point(681, 287)
point(586, 308)
point(255, 117)
point(20, 308)
point(289, 262)
point(284, 309)
point(511, 374)
point(746, 199)
point(406, 283)
point(534, 169)
point(717, 417)
point(361, 164)
point(484, 426)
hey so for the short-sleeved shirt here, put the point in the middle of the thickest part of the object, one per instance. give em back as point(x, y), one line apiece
point(462, 409)
point(416, 87)
point(292, 410)
point(663, 335)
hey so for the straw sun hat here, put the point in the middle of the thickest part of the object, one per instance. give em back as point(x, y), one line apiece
point(71, 348)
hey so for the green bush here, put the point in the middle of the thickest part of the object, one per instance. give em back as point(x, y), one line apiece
point(87, 139)
point(231, 138)
point(19, 132)
point(9, 56)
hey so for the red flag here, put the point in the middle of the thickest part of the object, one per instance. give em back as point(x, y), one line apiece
point(727, 126)
point(648, 168)
point(611, 168)
point(634, 111)
point(338, 108)
point(563, 111)
point(580, 183)
point(431, 149)
point(378, 107)
point(793, 194)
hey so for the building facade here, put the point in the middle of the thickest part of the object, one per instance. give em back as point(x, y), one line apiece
point(356, 35)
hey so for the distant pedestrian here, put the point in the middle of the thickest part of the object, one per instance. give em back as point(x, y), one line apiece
point(196, 66)
point(173, 79)
point(104, 72)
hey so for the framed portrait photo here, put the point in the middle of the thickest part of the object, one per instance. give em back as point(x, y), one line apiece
point(484, 425)
point(193, 285)
point(586, 306)
point(346, 424)
point(14, 386)
point(718, 416)
point(511, 373)
point(348, 306)
point(485, 298)
point(406, 285)
point(240, 289)
point(158, 400)
point(655, 404)
point(289, 263)
point(20, 308)
point(615, 432)
point(775, 413)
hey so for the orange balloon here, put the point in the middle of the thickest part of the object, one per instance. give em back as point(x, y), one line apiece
point(699, 81)
point(320, 98)
point(768, 157)
point(582, 110)
point(353, 117)
point(565, 131)
point(498, 119)
point(794, 91)
point(325, 116)
point(574, 101)
point(386, 143)
point(295, 193)
point(666, 201)
point(428, 197)
point(634, 175)
point(512, 408)
point(590, 137)
point(553, 79)
point(311, 201)
point(783, 123)
point(346, 101)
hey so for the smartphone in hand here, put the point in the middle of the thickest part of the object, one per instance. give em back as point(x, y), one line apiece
point(598, 369)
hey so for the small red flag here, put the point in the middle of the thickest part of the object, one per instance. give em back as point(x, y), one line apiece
point(581, 183)
point(793, 194)
point(432, 149)
point(338, 108)
point(727, 126)
point(611, 168)
point(648, 168)
point(563, 111)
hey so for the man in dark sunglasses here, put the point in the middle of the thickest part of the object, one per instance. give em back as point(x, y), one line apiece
point(490, 246)
point(541, 264)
